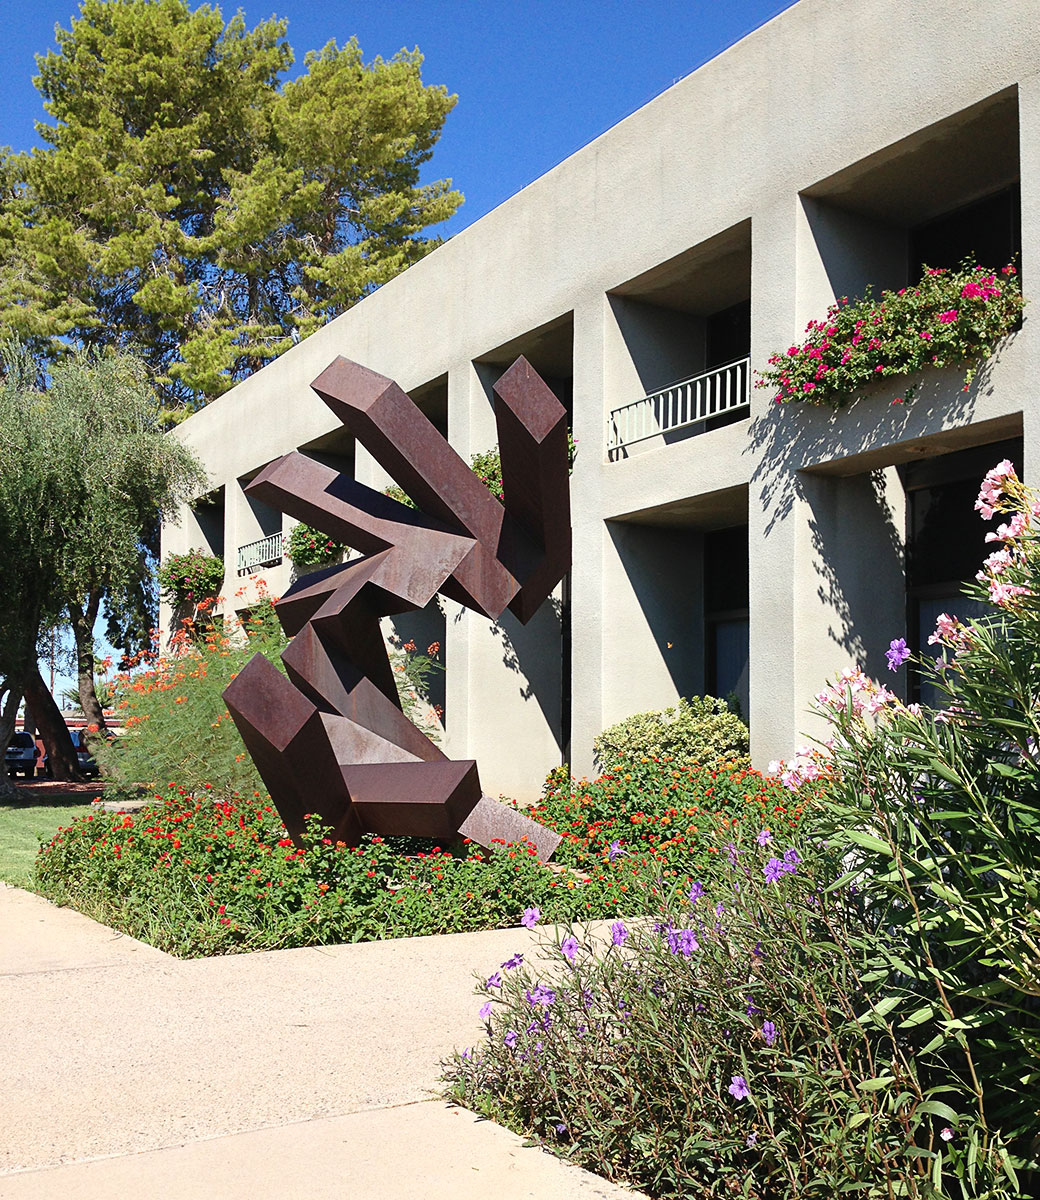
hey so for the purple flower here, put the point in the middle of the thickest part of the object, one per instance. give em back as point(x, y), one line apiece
point(774, 870)
point(687, 943)
point(764, 838)
point(568, 948)
point(696, 891)
point(561, 1128)
point(512, 963)
point(897, 653)
point(791, 859)
point(752, 1007)
point(731, 854)
point(540, 995)
point(485, 1010)
point(752, 1137)
point(613, 850)
point(618, 933)
point(739, 1089)
point(769, 1032)
point(495, 980)
point(510, 1039)
point(530, 918)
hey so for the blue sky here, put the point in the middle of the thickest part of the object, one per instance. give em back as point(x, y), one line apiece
point(536, 79)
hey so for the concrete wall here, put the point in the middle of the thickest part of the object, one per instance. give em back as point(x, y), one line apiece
point(761, 134)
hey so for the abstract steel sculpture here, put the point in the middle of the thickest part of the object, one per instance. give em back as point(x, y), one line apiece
point(331, 739)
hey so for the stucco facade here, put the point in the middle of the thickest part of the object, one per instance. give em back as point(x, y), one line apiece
point(816, 156)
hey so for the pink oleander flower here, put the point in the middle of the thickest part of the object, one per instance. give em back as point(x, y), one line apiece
point(1004, 594)
point(992, 489)
point(996, 564)
point(1018, 524)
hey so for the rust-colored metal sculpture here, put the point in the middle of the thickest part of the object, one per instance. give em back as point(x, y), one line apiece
point(330, 739)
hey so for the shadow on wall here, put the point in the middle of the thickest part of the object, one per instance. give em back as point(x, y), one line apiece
point(664, 571)
point(534, 653)
point(862, 583)
point(838, 464)
point(792, 438)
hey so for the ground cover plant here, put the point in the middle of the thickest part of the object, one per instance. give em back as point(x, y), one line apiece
point(855, 1011)
point(205, 872)
point(950, 318)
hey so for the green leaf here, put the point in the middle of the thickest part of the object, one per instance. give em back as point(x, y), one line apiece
point(918, 1016)
point(869, 842)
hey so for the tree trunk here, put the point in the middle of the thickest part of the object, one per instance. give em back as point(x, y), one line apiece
point(82, 620)
point(8, 716)
point(54, 731)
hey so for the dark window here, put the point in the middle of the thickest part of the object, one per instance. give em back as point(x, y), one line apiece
point(945, 542)
point(728, 335)
point(990, 231)
point(726, 628)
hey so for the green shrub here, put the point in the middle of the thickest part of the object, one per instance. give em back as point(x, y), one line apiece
point(191, 577)
point(700, 731)
point(726, 1049)
point(305, 547)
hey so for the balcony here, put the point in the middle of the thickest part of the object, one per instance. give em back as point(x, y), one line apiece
point(264, 552)
point(720, 392)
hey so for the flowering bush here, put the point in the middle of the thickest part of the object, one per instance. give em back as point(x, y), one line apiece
point(306, 547)
point(937, 812)
point(412, 674)
point(699, 730)
point(728, 1047)
point(172, 708)
point(950, 317)
point(190, 577)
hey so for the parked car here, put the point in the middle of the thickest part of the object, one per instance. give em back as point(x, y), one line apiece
point(84, 759)
point(22, 753)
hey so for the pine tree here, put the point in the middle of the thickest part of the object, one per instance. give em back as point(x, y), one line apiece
point(193, 207)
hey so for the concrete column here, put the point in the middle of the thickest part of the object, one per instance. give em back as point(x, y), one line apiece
point(456, 650)
point(825, 551)
point(589, 638)
point(1027, 340)
point(774, 502)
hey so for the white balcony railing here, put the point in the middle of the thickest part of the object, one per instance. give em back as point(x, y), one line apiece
point(264, 552)
point(713, 393)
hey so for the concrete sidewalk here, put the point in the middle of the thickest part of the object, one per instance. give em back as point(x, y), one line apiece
point(293, 1073)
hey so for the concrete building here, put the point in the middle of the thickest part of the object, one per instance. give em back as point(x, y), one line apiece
point(742, 546)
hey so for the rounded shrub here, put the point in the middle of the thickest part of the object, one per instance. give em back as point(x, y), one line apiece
point(699, 731)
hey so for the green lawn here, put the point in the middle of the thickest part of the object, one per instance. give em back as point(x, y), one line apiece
point(22, 826)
